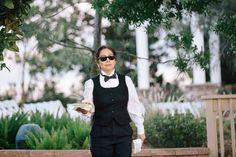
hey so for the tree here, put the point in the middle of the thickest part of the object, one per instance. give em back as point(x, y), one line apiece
point(154, 12)
point(12, 15)
point(62, 43)
point(226, 22)
point(61, 35)
point(226, 29)
point(122, 39)
point(160, 13)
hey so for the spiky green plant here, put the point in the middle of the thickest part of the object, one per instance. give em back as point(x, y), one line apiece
point(9, 125)
point(78, 131)
point(56, 139)
point(44, 120)
point(74, 133)
point(57, 132)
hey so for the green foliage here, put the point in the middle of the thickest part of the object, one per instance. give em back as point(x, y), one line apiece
point(61, 40)
point(122, 39)
point(55, 139)
point(154, 12)
point(8, 40)
point(78, 131)
point(139, 12)
point(12, 15)
point(9, 126)
point(187, 53)
point(59, 47)
point(178, 130)
point(225, 25)
point(224, 21)
point(48, 121)
point(59, 133)
point(3, 65)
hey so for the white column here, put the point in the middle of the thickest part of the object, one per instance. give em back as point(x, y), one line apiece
point(215, 69)
point(199, 76)
point(142, 60)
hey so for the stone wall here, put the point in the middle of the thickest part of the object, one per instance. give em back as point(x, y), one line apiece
point(195, 92)
point(190, 93)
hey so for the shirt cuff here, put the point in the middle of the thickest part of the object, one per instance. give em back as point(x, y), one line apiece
point(140, 129)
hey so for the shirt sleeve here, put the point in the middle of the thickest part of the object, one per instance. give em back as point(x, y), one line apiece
point(88, 91)
point(135, 108)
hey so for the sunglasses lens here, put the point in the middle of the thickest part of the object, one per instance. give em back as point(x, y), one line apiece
point(103, 59)
point(111, 57)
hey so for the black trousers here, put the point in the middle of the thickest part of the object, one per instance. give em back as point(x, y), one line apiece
point(111, 146)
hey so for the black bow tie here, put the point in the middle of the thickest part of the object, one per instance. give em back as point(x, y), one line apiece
point(106, 78)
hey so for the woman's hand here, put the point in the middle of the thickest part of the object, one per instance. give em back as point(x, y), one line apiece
point(142, 137)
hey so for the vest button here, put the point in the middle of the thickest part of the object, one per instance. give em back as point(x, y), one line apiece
point(112, 99)
point(112, 111)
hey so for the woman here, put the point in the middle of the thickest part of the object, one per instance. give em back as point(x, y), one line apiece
point(116, 104)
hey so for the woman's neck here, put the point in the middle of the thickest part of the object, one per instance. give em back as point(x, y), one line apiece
point(108, 73)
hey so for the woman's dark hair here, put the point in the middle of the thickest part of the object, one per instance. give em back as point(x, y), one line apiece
point(104, 47)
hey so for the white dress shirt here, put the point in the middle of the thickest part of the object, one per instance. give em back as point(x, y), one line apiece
point(135, 108)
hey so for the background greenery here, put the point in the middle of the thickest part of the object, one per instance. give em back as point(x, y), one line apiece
point(57, 132)
point(12, 15)
point(162, 131)
point(177, 130)
point(51, 30)
point(62, 46)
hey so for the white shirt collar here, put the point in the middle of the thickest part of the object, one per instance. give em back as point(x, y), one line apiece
point(102, 72)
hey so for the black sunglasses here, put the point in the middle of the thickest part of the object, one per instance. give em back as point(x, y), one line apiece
point(103, 59)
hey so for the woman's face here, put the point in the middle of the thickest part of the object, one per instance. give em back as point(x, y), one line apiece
point(106, 61)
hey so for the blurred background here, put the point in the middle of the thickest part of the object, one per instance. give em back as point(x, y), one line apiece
point(174, 51)
point(56, 50)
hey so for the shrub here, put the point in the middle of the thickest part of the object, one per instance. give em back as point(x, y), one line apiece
point(178, 130)
point(45, 120)
point(78, 132)
point(9, 126)
point(55, 139)
point(58, 132)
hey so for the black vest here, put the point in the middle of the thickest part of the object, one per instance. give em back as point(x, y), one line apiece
point(110, 103)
